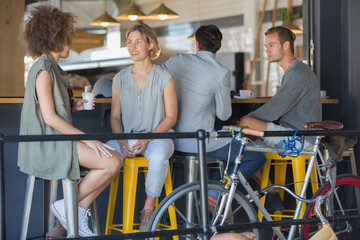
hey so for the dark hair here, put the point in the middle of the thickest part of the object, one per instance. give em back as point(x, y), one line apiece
point(150, 36)
point(48, 29)
point(209, 38)
point(285, 34)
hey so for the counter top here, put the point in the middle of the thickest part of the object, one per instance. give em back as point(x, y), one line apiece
point(266, 99)
point(234, 100)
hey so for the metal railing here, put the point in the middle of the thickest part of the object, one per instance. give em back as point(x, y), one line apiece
point(200, 135)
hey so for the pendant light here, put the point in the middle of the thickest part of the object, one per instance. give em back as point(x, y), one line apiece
point(162, 13)
point(132, 13)
point(105, 20)
point(295, 29)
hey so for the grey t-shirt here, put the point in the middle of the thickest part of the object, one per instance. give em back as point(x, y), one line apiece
point(142, 110)
point(296, 102)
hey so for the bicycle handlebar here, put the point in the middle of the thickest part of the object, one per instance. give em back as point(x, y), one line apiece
point(244, 130)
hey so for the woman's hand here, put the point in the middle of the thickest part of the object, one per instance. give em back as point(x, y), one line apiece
point(99, 147)
point(140, 146)
point(126, 149)
point(79, 105)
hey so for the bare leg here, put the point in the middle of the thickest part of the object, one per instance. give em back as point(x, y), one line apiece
point(146, 213)
point(149, 203)
point(102, 171)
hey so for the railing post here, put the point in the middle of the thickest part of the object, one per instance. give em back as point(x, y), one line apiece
point(203, 183)
point(2, 189)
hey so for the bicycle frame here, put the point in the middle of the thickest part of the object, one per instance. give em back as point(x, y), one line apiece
point(236, 177)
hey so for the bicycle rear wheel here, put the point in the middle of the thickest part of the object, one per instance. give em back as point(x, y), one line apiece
point(188, 195)
point(342, 203)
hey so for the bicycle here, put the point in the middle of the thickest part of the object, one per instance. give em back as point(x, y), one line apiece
point(232, 206)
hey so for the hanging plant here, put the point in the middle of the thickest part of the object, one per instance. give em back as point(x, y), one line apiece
point(287, 16)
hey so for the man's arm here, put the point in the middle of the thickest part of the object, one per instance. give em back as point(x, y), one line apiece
point(289, 94)
point(223, 99)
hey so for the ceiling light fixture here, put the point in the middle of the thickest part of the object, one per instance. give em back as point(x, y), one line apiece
point(294, 28)
point(105, 20)
point(162, 13)
point(132, 13)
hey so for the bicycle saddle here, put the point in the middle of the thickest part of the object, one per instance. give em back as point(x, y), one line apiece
point(333, 125)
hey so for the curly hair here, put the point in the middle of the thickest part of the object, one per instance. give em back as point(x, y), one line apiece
point(48, 29)
point(150, 35)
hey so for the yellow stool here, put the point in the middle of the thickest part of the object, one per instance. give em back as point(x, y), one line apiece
point(130, 175)
point(298, 168)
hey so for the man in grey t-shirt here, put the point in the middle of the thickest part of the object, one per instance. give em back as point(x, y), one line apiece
point(298, 99)
point(203, 90)
point(296, 102)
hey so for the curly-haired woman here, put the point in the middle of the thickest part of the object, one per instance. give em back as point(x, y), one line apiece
point(48, 108)
point(144, 100)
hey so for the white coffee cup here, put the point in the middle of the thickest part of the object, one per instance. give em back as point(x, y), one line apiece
point(323, 93)
point(246, 93)
point(131, 142)
point(89, 97)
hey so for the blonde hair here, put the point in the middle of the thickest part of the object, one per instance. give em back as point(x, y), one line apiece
point(150, 36)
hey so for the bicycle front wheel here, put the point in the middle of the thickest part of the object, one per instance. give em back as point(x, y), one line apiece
point(344, 202)
point(185, 201)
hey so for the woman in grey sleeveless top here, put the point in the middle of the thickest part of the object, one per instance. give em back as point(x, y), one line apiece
point(47, 109)
point(144, 99)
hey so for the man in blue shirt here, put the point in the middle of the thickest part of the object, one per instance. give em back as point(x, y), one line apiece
point(203, 90)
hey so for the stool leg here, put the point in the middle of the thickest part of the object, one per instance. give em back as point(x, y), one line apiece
point(264, 182)
point(27, 205)
point(191, 174)
point(130, 173)
point(71, 207)
point(280, 175)
point(279, 178)
point(221, 168)
point(111, 204)
point(95, 218)
point(50, 196)
point(298, 167)
point(168, 190)
point(314, 179)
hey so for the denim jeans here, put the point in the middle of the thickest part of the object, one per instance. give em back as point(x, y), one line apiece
point(157, 154)
point(250, 163)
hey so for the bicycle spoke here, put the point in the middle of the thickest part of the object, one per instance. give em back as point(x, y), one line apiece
point(182, 216)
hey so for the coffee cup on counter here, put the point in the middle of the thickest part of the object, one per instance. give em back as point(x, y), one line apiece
point(246, 93)
point(322, 93)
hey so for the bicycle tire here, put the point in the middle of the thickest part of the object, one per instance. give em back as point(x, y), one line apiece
point(178, 198)
point(345, 189)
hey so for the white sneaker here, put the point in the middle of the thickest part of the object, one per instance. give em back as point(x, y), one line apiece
point(84, 230)
point(58, 209)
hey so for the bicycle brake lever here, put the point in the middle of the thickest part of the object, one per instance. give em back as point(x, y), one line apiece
point(227, 181)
